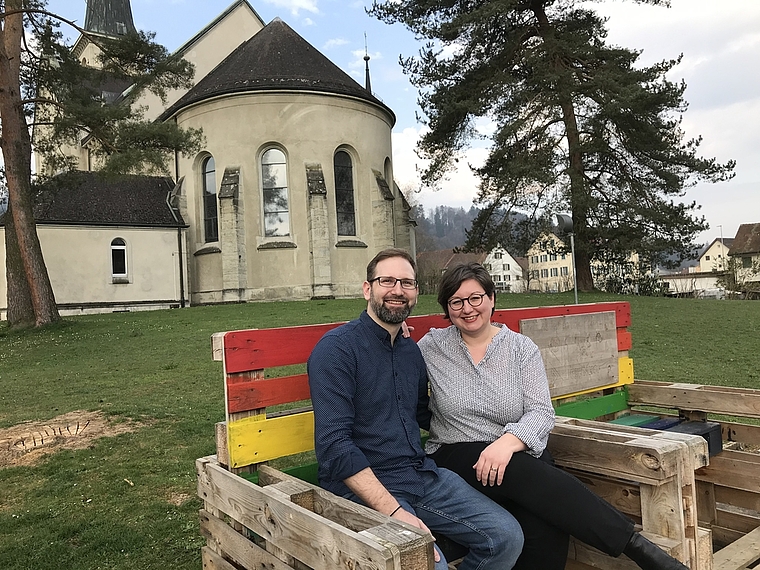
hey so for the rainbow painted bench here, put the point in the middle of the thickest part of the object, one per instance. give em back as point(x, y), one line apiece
point(256, 516)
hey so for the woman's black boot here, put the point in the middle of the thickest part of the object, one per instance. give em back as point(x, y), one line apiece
point(649, 556)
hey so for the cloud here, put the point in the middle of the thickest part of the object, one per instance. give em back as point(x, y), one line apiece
point(458, 190)
point(295, 6)
point(333, 43)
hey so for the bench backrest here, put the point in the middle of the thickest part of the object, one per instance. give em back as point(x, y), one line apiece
point(584, 347)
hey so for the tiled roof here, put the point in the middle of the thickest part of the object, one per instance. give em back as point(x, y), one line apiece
point(445, 258)
point(94, 198)
point(747, 240)
point(274, 59)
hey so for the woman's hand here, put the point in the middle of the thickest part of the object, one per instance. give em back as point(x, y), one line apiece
point(493, 460)
point(406, 330)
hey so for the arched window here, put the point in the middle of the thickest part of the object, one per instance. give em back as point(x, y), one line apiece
point(274, 190)
point(210, 216)
point(118, 258)
point(344, 194)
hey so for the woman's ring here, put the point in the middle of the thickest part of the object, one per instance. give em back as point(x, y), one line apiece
point(494, 469)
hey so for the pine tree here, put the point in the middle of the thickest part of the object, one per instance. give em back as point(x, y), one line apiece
point(579, 126)
point(47, 91)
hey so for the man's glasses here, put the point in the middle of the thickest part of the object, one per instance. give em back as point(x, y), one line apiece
point(390, 282)
point(475, 300)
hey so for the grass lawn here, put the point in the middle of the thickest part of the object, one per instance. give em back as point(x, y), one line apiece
point(128, 501)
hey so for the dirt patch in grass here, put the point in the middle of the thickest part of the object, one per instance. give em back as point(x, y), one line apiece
point(27, 443)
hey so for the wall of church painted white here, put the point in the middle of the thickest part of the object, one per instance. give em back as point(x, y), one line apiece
point(80, 262)
point(309, 128)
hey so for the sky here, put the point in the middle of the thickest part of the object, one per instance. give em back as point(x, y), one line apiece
point(719, 40)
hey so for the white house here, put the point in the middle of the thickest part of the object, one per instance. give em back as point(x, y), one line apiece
point(506, 271)
point(549, 270)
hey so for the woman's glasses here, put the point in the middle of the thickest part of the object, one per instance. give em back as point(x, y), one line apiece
point(475, 300)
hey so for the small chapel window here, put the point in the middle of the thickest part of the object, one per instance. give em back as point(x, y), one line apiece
point(344, 194)
point(119, 261)
point(274, 189)
point(210, 216)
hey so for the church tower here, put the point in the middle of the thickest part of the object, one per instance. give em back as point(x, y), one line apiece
point(109, 17)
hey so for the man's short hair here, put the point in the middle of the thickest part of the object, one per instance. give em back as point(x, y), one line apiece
point(387, 254)
point(453, 278)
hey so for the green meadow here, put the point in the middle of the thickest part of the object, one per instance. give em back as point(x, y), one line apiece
point(128, 501)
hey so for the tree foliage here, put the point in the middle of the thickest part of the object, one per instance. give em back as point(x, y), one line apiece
point(54, 101)
point(579, 126)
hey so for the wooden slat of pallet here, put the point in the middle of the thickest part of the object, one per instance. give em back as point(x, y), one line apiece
point(737, 497)
point(314, 540)
point(712, 399)
point(743, 433)
point(236, 547)
point(253, 439)
point(579, 351)
point(585, 556)
point(247, 393)
point(213, 561)
point(737, 518)
point(623, 495)
point(735, 469)
point(640, 459)
point(739, 554)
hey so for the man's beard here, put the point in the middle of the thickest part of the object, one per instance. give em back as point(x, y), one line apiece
point(391, 315)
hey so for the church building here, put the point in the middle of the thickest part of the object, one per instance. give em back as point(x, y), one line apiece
point(290, 198)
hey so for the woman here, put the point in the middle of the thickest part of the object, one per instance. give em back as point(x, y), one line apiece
point(492, 415)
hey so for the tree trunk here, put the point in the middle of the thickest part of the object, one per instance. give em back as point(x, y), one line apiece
point(579, 197)
point(17, 154)
point(20, 309)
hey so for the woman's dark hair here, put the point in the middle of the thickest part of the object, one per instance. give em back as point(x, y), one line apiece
point(454, 277)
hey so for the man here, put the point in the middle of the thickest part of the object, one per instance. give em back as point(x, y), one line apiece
point(370, 395)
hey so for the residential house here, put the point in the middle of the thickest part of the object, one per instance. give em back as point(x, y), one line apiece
point(506, 271)
point(291, 197)
point(745, 251)
point(432, 264)
point(550, 267)
point(715, 256)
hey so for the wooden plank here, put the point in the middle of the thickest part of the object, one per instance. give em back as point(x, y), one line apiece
point(737, 518)
point(740, 554)
point(661, 509)
point(593, 558)
point(739, 432)
point(337, 509)
point(314, 540)
point(736, 469)
point(579, 351)
point(212, 561)
point(217, 346)
point(713, 399)
point(241, 550)
point(706, 503)
point(642, 459)
point(592, 408)
point(251, 394)
point(253, 439)
point(704, 549)
point(264, 348)
point(623, 495)
point(737, 497)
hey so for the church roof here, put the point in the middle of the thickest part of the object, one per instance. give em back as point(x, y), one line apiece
point(109, 17)
point(274, 59)
point(98, 199)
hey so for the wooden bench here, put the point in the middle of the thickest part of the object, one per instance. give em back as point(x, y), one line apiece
point(256, 516)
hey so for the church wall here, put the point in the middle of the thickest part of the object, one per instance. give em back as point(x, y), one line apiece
point(206, 52)
point(308, 128)
point(78, 260)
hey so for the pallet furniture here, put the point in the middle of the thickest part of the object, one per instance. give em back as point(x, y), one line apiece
point(255, 516)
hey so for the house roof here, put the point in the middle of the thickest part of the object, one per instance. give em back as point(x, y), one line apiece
point(443, 259)
point(274, 59)
point(728, 242)
point(747, 240)
point(77, 198)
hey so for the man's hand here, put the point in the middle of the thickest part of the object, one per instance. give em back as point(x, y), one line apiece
point(407, 517)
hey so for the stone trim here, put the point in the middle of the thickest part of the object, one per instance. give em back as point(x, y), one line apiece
point(351, 243)
point(208, 249)
point(382, 184)
point(315, 180)
point(277, 245)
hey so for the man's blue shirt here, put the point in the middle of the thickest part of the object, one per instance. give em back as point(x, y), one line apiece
point(370, 399)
